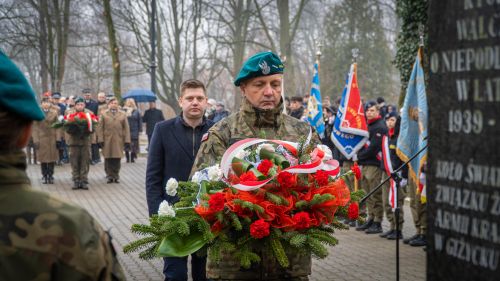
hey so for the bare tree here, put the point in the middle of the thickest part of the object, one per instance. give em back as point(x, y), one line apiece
point(113, 48)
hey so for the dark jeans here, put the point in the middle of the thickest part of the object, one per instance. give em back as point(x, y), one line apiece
point(175, 269)
point(96, 157)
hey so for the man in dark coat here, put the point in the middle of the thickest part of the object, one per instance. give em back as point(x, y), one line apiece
point(151, 117)
point(369, 159)
point(171, 154)
point(297, 110)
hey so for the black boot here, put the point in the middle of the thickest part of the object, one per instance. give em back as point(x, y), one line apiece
point(387, 233)
point(364, 226)
point(110, 180)
point(127, 155)
point(132, 157)
point(408, 240)
point(376, 227)
point(395, 234)
point(76, 185)
point(45, 180)
point(419, 242)
point(84, 185)
point(51, 173)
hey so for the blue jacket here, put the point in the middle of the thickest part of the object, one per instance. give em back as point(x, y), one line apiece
point(171, 154)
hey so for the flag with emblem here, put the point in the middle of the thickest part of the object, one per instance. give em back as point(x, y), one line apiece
point(386, 156)
point(414, 115)
point(350, 131)
point(314, 106)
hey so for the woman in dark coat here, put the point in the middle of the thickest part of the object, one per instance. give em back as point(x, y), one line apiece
point(135, 124)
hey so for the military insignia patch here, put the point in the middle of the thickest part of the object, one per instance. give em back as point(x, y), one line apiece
point(204, 137)
point(264, 67)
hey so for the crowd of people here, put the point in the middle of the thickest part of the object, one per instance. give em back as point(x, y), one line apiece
point(116, 134)
point(382, 120)
point(177, 148)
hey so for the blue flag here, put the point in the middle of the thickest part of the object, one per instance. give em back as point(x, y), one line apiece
point(350, 131)
point(414, 117)
point(314, 106)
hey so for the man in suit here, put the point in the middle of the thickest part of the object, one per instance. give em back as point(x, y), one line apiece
point(171, 154)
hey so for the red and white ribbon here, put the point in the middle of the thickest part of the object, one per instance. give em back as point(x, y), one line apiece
point(317, 162)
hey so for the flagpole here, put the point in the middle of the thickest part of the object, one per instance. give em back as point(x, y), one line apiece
point(283, 60)
point(355, 53)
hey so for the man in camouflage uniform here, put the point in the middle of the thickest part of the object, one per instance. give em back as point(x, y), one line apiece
point(41, 237)
point(79, 151)
point(260, 116)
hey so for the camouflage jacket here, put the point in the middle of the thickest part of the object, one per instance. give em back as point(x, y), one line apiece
point(250, 122)
point(44, 238)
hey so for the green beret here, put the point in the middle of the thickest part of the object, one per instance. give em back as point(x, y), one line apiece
point(79, 99)
point(260, 64)
point(16, 94)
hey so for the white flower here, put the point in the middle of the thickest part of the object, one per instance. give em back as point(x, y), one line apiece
point(214, 173)
point(196, 177)
point(171, 187)
point(266, 146)
point(242, 154)
point(166, 209)
point(327, 151)
point(60, 118)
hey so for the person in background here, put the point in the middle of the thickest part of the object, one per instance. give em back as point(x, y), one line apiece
point(369, 158)
point(44, 138)
point(61, 145)
point(79, 150)
point(382, 106)
point(93, 106)
point(287, 105)
point(296, 107)
point(114, 137)
point(70, 103)
point(211, 107)
point(220, 112)
point(305, 100)
point(393, 122)
point(101, 103)
point(173, 148)
point(135, 125)
point(151, 117)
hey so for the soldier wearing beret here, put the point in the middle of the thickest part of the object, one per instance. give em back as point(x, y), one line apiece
point(114, 137)
point(79, 151)
point(41, 237)
point(260, 116)
point(44, 138)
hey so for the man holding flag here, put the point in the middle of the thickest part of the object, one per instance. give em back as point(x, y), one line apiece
point(350, 131)
point(413, 138)
point(369, 158)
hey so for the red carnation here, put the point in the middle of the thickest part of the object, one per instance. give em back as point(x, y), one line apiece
point(287, 180)
point(264, 166)
point(302, 220)
point(357, 172)
point(321, 178)
point(216, 202)
point(259, 229)
point(248, 176)
point(353, 211)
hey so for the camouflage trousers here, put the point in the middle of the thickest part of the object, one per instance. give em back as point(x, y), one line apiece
point(387, 205)
point(372, 177)
point(79, 156)
point(112, 167)
point(418, 210)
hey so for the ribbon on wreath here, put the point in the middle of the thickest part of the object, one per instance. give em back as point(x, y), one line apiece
point(330, 166)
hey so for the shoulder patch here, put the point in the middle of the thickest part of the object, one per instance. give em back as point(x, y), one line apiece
point(204, 137)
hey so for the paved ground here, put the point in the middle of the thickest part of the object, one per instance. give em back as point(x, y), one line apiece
point(117, 206)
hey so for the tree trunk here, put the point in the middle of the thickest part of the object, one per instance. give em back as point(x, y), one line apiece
point(113, 48)
point(42, 39)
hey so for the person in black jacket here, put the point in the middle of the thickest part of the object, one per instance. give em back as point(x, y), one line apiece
point(296, 108)
point(369, 159)
point(171, 154)
point(393, 122)
point(151, 117)
point(135, 126)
